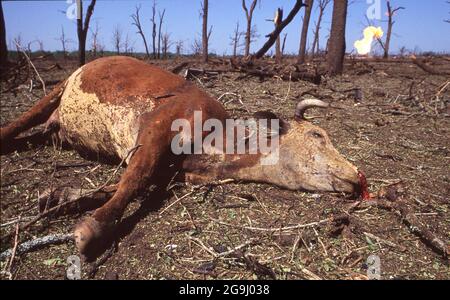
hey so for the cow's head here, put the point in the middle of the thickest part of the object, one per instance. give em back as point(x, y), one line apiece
point(307, 160)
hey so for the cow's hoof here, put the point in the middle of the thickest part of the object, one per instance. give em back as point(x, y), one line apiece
point(89, 233)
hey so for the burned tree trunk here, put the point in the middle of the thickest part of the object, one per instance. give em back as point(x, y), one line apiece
point(390, 13)
point(336, 42)
point(3, 48)
point(205, 36)
point(249, 16)
point(302, 49)
point(82, 29)
point(272, 37)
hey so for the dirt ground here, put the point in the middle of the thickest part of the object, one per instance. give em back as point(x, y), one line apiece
point(398, 134)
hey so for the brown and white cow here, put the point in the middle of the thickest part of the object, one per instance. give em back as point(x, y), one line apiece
point(113, 104)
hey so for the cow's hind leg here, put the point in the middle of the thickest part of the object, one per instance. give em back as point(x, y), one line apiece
point(153, 146)
point(38, 114)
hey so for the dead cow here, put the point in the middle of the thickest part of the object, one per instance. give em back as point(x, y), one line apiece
point(113, 104)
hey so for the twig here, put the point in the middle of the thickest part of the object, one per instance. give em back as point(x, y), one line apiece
point(34, 68)
point(221, 254)
point(14, 249)
point(175, 202)
point(239, 98)
point(380, 240)
point(12, 222)
point(274, 229)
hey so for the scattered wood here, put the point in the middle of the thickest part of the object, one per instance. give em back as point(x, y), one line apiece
point(315, 78)
point(177, 69)
point(412, 222)
point(421, 64)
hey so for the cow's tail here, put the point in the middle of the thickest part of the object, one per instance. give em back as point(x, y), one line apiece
point(36, 115)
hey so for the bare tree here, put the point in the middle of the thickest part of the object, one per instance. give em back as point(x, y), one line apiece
point(161, 21)
point(235, 39)
point(3, 46)
point(249, 16)
point(196, 47)
point(41, 45)
point(82, 29)
point(205, 35)
point(322, 6)
point(304, 36)
point(64, 42)
point(283, 44)
point(166, 44)
point(117, 38)
point(272, 37)
point(95, 44)
point(391, 11)
point(153, 19)
point(179, 47)
point(336, 42)
point(137, 23)
point(128, 46)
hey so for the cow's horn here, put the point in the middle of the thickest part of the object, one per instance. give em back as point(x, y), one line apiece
point(303, 105)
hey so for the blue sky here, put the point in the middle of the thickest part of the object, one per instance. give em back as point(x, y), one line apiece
point(420, 26)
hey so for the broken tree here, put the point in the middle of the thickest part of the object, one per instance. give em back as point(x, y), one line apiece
point(272, 37)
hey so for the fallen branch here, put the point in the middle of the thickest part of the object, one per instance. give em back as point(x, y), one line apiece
point(272, 37)
point(32, 65)
point(313, 224)
point(410, 220)
point(421, 64)
point(177, 69)
point(37, 243)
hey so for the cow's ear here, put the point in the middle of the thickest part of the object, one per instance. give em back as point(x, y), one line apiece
point(268, 115)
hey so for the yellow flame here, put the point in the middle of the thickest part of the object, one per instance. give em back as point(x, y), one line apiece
point(364, 46)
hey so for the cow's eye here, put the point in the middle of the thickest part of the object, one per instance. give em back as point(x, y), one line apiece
point(317, 135)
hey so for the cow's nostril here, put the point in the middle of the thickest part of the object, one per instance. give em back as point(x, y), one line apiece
point(362, 186)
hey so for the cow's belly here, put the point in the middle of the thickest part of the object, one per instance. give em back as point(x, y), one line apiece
point(97, 127)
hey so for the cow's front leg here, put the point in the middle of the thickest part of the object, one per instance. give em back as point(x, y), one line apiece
point(154, 141)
